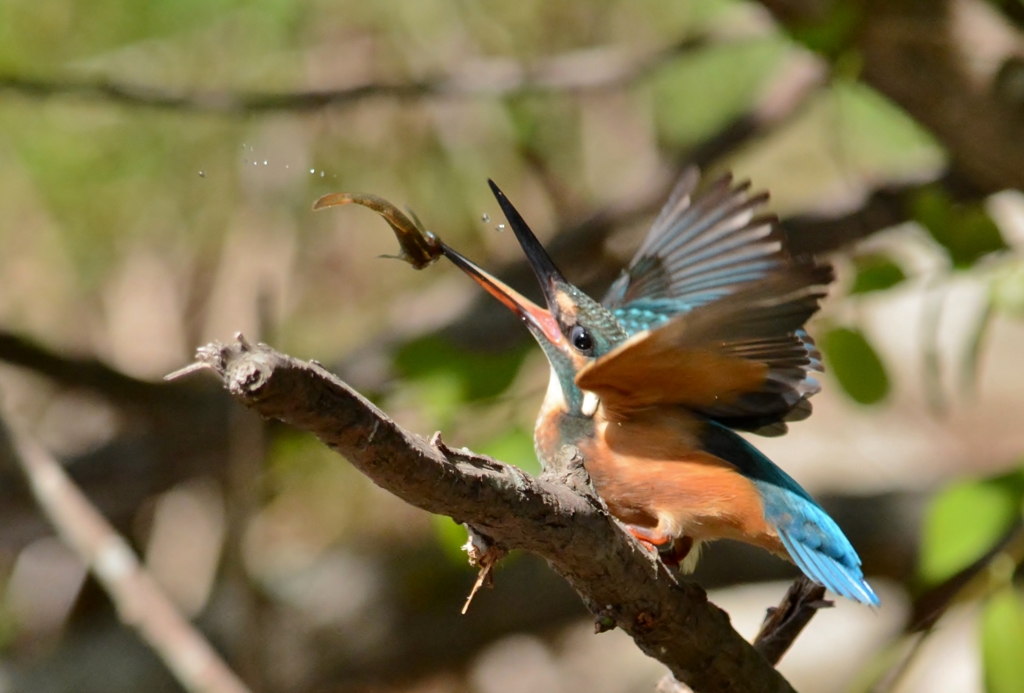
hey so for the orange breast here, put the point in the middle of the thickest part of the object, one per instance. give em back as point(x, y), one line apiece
point(650, 473)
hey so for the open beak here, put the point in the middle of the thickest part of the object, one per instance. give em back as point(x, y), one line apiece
point(540, 321)
point(547, 274)
point(543, 322)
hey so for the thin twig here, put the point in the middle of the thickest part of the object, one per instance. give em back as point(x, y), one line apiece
point(139, 601)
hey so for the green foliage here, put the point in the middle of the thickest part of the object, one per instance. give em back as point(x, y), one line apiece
point(515, 447)
point(1002, 642)
point(695, 95)
point(876, 273)
point(472, 375)
point(965, 521)
point(855, 365)
point(451, 537)
point(1007, 289)
point(964, 230)
point(831, 34)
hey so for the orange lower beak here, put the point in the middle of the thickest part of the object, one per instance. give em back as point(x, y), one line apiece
point(540, 320)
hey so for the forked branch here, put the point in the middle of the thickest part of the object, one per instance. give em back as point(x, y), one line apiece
point(556, 516)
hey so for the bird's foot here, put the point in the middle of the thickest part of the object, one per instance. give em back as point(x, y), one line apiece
point(672, 550)
point(649, 537)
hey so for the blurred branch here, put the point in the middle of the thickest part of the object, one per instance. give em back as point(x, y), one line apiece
point(786, 621)
point(556, 516)
point(909, 51)
point(139, 601)
point(884, 207)
point(587, 70)
point(929, 607)
point(171, 432)
point(780, 629)
point(87, 373)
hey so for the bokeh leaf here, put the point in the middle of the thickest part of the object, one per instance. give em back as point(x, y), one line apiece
point(515, 447)
point(726, 80)
point(964, 230)
point(876, 272)
point(964, 521)
point(451, 536)
point(831, 33)
point(1007, 289)
point(855, 365)
point(1002, 642)
point(479, 375)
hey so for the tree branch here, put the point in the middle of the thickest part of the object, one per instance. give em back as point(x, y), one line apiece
point(557, 516)
point(786, 621)
point(909, 52)
point(588, 70)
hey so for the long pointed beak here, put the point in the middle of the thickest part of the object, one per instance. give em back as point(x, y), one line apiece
point(540, 320)
point(551, 280)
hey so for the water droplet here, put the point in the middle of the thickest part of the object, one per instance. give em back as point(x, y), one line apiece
point(202, 174)
point(312, 171)
point(321, 174)
point(485, 217)
point(500, 227)
point(286, 165)
point(264, 162)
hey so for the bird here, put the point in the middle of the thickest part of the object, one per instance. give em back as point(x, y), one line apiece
point(701, 337)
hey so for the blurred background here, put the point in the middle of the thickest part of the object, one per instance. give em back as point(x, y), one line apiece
point(158, 162)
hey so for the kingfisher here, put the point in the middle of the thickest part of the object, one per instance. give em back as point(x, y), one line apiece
point(701, 336)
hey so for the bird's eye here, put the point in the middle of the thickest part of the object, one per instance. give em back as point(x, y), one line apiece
point(581, 339)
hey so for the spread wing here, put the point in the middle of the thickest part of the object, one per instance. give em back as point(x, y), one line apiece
point(702, 248)
point(738, 359)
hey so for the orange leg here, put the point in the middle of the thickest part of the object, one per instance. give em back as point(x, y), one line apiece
point(672, 552)
point(650, 537)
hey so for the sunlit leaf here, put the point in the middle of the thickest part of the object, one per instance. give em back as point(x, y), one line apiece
point(831, 32)
point(451, 536)
point(515, 447)
point(479, 374)
point(855, 365)
point(1007, 289)
point(695, 95)
point(1002, 642)
point(966, 520)
point(876, 273)
point(964, 230)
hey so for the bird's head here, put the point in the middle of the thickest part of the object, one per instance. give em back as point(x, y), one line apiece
point(573, 329)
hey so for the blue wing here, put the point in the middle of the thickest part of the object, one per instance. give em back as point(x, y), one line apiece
point(701, 248)
point(813, 540)
point(816, 544)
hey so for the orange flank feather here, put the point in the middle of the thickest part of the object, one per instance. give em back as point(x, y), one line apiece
point(654, 478)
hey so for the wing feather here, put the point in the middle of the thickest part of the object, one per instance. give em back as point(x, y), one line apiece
point(702, 248)
point(738, 356)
